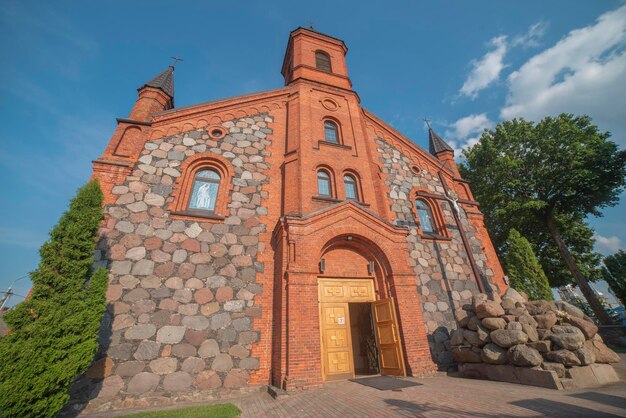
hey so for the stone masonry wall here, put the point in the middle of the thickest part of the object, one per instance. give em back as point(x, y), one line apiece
point(182, 292)
point(442, 270)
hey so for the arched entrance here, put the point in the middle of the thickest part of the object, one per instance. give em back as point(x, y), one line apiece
point(359, 332)
point(358, 247)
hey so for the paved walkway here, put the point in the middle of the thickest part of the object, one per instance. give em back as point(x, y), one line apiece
point(440, 396)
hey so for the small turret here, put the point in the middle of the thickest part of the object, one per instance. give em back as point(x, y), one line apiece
point(155, 96)
point(440, 149)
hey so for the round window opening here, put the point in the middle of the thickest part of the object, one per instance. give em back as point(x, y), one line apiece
point(415, 169)
point(217, 133)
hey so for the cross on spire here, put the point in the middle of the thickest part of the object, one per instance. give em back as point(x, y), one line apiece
point(310, 24)
point(176, 59)
point(427, 122)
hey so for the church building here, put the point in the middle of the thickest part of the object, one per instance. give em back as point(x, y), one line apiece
point(284, 238)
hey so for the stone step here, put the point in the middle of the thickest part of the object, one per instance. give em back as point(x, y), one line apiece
point(568, 384)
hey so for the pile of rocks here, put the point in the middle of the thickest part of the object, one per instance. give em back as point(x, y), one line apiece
point(553, 336)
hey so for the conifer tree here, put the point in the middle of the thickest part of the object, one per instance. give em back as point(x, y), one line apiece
point(54, 333)
point(523, 268)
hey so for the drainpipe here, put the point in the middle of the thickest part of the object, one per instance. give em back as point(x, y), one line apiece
point(466, 244)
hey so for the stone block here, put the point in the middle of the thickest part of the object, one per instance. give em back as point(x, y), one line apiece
point(583, 377)
point(604, 373)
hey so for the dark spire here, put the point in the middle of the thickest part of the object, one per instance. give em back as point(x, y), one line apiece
point(436, 144)
point(163, 81)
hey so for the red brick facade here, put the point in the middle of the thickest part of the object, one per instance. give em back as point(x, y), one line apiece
point(271, 219)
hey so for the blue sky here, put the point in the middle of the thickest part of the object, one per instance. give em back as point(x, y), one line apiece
point(71, 67)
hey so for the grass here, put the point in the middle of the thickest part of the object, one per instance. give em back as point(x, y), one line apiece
point(224, 410)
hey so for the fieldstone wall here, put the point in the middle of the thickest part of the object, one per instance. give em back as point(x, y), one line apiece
point(443, 273)
point(182, 292)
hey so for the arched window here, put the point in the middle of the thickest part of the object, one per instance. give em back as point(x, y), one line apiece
point(331, 132)
point(350, 185)
point(323, 184)
point(206, 184)
point(425, 217)
point(322, 61)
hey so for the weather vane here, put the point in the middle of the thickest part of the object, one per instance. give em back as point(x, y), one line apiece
point(176, 59)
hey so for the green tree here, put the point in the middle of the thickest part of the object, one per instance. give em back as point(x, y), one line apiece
point(542, 175)
point(614, 273)
point(523, 268)
point(54, 333)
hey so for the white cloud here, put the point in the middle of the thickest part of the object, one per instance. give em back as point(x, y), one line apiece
point(486, 70)
point(608, 245)
point(465, 132)
point(531, 38)
point(583, 73)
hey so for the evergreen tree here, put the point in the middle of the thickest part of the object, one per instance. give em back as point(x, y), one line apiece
point(615, 274)
point(54, 334)
point(523, 268)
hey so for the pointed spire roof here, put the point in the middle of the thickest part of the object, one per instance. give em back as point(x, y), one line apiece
point(163, 81)
point(436, 144)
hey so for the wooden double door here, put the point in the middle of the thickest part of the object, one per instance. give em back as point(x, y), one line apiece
point(335, 297)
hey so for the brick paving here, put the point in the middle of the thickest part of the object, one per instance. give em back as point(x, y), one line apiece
point(440, 396)
point(437, 396)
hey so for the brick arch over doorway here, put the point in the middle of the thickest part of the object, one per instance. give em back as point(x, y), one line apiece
point(301, 241)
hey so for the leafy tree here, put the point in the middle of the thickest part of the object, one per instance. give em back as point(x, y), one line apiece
point(523, 268)
point(54, 333)
point(614, 273)
point(542, 175)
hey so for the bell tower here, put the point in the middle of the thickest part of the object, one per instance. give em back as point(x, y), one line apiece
point(314, 56)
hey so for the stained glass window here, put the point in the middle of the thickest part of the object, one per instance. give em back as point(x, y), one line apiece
point(349, 183)
point(331, 132)
point(425, 217)
point(204, 193)
point(323, 183)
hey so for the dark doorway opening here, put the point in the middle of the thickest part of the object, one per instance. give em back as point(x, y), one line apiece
point(364, 347)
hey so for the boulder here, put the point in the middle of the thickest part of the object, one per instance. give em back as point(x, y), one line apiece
point(488, 308)
point(514, 294)
point(586, 355)
point(493, 354)
point(471, 337)
point(565, 357)
point(589, 329)
point(493, 323)
point(546, 320)
point(544, 334)
point(567, 336)
point(506, 338)
point(538, 307)
point(514, 325)
point(508, 304)
point(473, 323)
point(541, 346)
point(524, 356)
point(527, 319)
point(456, 338)
point(466, 354)
point(559, 305)
point(478, 299)
point(483, 335)
point(531, 332)
point(558, 368)
point(603, 353)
